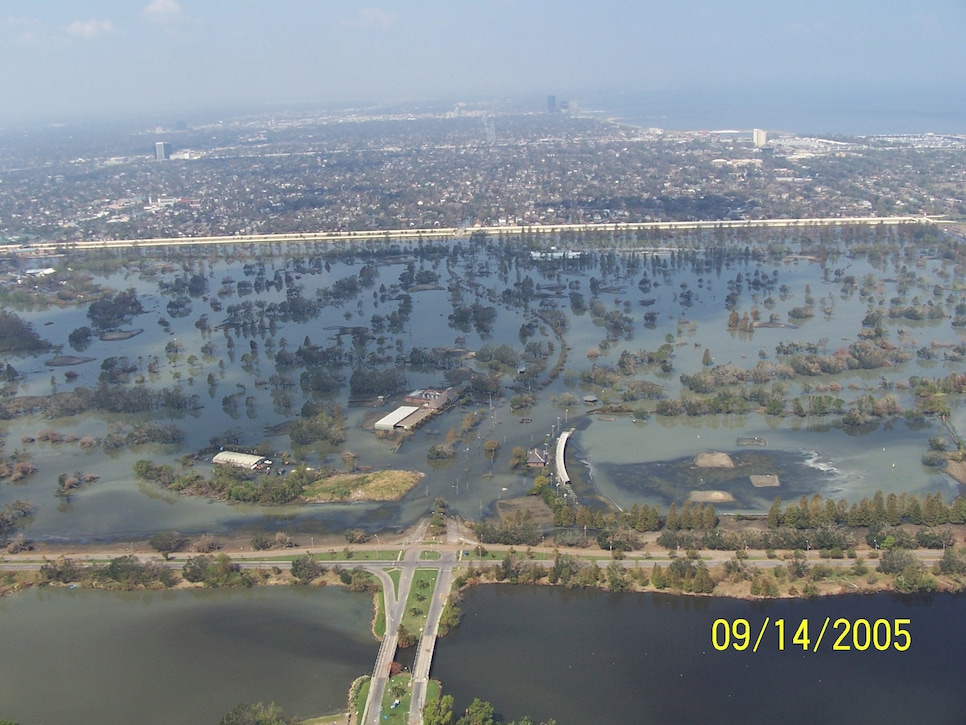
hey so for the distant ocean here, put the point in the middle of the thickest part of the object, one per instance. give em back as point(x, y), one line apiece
point(852, 113)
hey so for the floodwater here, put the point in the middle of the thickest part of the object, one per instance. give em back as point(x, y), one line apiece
point(653, 462)
point(72, 656)
point(619, 458)
point(592, 657)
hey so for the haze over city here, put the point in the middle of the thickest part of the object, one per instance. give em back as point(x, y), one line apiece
point(67, 61)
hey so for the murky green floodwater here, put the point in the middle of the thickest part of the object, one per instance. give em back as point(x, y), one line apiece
point(621, 458)
point(84, 656)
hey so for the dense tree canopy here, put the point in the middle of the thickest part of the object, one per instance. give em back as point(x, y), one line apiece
point(257, 714)
point(17, 335)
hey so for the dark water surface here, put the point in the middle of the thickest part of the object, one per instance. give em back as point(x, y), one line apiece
point(590, 657)
point(86, 656)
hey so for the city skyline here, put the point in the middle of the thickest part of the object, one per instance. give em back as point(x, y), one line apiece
point(69, 61)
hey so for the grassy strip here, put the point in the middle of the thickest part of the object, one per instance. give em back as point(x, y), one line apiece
point(434, 690)
point(474, 555)
point(346, 554)
point(361, 695)
point(424, 581)
point(399, 688)
point(379, 621)
point(388, 485)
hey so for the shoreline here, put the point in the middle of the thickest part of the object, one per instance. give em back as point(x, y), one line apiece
point(271, 569)
point(333, 551)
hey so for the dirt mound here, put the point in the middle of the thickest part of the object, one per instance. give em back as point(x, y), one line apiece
point(713, 459)
point(67, 360)
point(710, 497)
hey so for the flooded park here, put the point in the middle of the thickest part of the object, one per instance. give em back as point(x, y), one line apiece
point(815, 357)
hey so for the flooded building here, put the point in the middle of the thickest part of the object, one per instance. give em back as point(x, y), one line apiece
point(241, 460)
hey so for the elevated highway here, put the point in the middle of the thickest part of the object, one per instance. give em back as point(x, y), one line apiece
point(458, 233)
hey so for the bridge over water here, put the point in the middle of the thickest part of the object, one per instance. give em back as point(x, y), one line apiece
point(396, 600)
point(395, 603)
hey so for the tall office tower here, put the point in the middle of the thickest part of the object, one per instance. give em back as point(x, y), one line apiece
point(760, 137)
point(551, 104)
point(162, 151)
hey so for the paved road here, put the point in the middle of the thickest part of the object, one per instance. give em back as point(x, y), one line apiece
point(395, 606)
point(32, 561)
point(427, 643)
point(455, 233)
point(395, 603)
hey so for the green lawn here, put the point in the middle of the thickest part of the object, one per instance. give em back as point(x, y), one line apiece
point(379, 626)
point(471, 555)
point(361, 699)
point(434, 690)
point(424, 581)
point(347, 554)
point(394, 574)
point(400, 713)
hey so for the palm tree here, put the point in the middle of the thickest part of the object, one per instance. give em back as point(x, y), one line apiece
point(397, 690)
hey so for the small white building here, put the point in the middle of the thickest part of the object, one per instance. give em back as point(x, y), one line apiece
point(241, 460)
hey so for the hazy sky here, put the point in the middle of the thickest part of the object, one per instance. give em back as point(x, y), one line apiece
point(62, 60)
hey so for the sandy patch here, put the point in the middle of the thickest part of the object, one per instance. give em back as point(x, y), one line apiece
point(118, 335)
point(765, 481)
point(542, 515)
point(713, 459)
point(66, 360)
point(956, 469)
point(710, 497)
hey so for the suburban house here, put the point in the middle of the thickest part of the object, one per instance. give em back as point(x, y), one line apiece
point(536, 458)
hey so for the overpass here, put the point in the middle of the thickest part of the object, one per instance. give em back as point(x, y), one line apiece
point(457, 233)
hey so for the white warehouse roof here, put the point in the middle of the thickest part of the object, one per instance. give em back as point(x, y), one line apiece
point(241, 460)
point(388, 422)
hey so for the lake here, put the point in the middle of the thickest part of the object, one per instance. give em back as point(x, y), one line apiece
point(90, 656)
point(591, 657)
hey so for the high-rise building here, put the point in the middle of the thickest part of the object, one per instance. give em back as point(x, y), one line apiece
point(760, 137)
point(551, 104)
point(162, 151)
